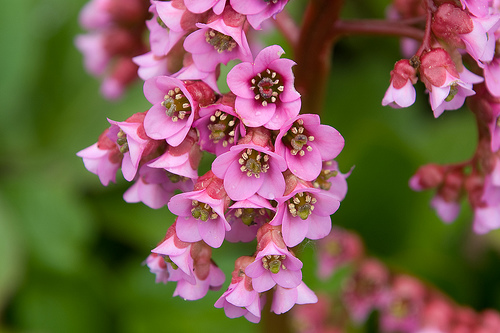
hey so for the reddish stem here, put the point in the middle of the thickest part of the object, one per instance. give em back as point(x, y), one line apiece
point(426, 43)
point(378, 28)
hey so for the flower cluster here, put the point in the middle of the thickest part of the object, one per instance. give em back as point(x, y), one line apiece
point(273, 179)
point(458, 34)
point(403, 303)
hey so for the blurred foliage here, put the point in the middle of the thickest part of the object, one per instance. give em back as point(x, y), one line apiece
point(71, 250)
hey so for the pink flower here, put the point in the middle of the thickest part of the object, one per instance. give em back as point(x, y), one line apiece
point(95, 14)
point(401, 92)
point(304, 212)
point(264, 89)
point(240, 299)
point(304, 143)
point(154, 187)
point(285, 298)
point(218, 41)
point(95, 56)
point(273, 264)
point(446, 210)
point(219, 126)
point(103, 158)
point(248, 169)
point(487, 215)
point(174, 107)
point(246, 217)
point(492, 76)
point(201, 212)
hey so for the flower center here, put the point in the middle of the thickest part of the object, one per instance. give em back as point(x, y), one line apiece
point(301, 205)
point(222, 128)
point(273, 263)
point(122, 141)
point(203, 211)
point(270, 1)
point(248, 215)
point(322, 180)
point(219, 41)
point(177, 104)
point(253, 162)
point(400, 308)
point(453, 92)
point(267, 86)
point(296, 139)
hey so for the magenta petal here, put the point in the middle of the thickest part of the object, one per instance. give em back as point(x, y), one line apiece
point(232, 311)
point(307, 167)
point(326, 205)
point(274, 184)
point(191, 292)
point(284, 67)
point(284, 112)
point(255, 269)
point(328, 141)
point(212, 231)
point(197, 6)
point(263, 282)
point(249, 7)
point(238, 80)
point(253, 113)
point(195, 43)
point(238, 185)
point(187, 229)
point(305, 295)
point(158, 125)
point(267, 56)
point(294, 229)
point(287, 278)
point(319, 226)
point(283, 300)
point(128, 168)
point(240, 296)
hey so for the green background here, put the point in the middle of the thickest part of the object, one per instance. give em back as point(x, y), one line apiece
point(71, 250)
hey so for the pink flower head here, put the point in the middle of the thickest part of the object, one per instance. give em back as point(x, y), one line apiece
point(285, 298)
point(332, 180)
point(182, 160)
point(157, 266)
point(365, 289)
point(492, 76)
point(201, 212)
point(134, 144)
point(219, 41)
point(159, 39)
point(95, 15)
point(305, 143)
point(258, 11)
point(401, 92)
point(240, 299)
point(174, 107)
point(404, 305)
point(246, 217)
point(200, 6)
point(155, 187)
point(304, 211)
point(95, 56)
point(273, 264)
point(447, 91)
point(264, 89)
point(219, 126)
point(339, 248)
point(191, 72)
point(103, 158)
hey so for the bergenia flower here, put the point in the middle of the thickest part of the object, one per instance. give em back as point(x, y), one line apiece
point(264, 89)
point(332, 180)
point(218, 41)
point(304, 143)
point(401, 92)
point(248, 169)
point(240, 299)
point(274, 264)
point(157, 266)
point(103, 158)
point(487, 215)
point(304, 212)
point(200, 6)
point(201, 212)
point(173, 110)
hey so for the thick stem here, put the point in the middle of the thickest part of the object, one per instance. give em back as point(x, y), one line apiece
point(313, 52)
point(378, 28)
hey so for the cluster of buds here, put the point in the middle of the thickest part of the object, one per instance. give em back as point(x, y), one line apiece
point(458, 33)
point(403, 303)
point(273, 179)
